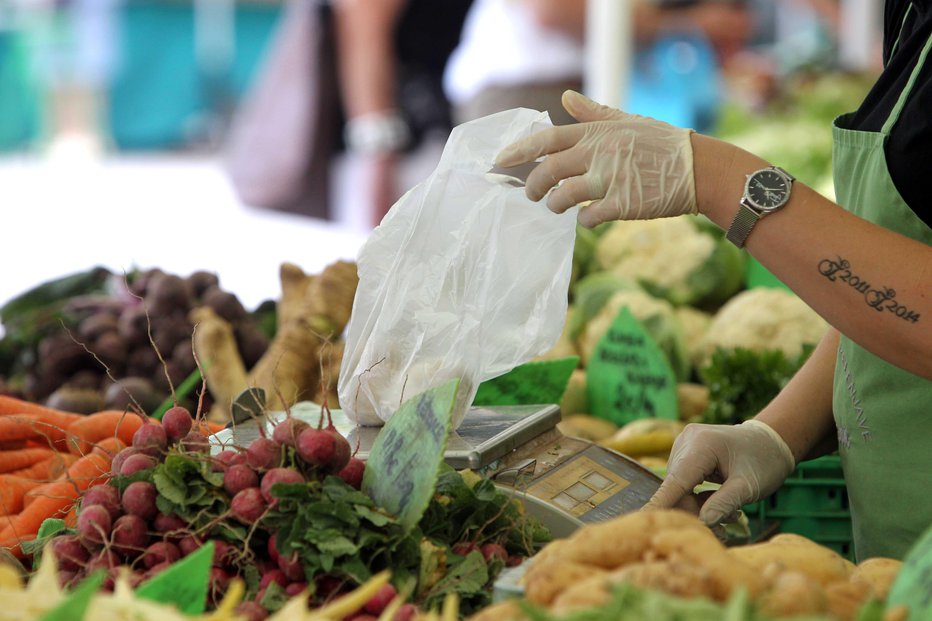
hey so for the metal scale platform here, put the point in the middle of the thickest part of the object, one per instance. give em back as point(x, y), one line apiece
point(563, 481)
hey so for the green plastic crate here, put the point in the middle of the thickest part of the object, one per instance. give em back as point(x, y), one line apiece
point(812, 502)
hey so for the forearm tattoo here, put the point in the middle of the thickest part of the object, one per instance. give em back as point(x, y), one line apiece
point(881, 299)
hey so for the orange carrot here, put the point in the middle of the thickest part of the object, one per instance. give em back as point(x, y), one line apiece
point(23, 458)
point(12, 490)
point(213, 428)
point(48, 428)
point(12, 445)
point(87, 431)
point(57, 500)
point(12, 405)
point(47, 469)
point(111, 446)
point(71, 520)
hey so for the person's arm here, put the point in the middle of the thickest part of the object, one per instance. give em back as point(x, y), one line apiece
point(569, 17)
point(802, 412)
point(366, 54)
point(366, 65)
point(873, 285)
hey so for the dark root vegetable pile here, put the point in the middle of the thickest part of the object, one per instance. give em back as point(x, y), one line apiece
point(100, 340)
point(287, 516)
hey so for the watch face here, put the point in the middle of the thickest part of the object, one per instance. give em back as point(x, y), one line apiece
point(767, 189)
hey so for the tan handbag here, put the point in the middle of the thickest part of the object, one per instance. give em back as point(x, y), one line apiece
point(283, 138)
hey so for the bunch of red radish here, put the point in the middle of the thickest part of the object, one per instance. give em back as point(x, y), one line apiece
point(117, 529)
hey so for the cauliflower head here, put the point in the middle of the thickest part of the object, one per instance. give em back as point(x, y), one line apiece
point(763, 319)
point(682, 259)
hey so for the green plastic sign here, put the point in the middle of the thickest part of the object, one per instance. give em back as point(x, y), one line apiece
point(628, 376)
point(183, 585)
point(913, 585)
point(75, 605)
point(529, 384)
point(401, 471)
point(756, 275)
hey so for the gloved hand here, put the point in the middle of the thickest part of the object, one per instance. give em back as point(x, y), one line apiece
point(631, 167)
point(751, 461)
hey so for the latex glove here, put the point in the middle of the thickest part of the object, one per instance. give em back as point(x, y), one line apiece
point(631, 167)
point(751, 461)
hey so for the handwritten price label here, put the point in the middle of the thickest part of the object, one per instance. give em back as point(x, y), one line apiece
point(628, 376)
point(401, 471)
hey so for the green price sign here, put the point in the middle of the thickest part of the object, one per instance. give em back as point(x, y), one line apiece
point(401, 471)
point(532, 383)
point(628, 376)
point(913, 585)
point(184, 584)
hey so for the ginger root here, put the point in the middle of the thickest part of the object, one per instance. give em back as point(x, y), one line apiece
point(313, 310)
point(218, 355)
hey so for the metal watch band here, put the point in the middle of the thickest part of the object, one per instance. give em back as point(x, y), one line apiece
point(741, 226)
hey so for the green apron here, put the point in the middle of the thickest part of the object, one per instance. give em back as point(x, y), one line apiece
point(883, 414)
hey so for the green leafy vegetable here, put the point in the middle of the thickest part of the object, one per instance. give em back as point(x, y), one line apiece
point(741, 381)
point(340, 532)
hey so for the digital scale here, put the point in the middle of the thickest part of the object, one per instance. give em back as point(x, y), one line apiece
point(565, 482)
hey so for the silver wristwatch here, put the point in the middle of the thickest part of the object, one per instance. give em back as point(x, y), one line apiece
point(765, 191)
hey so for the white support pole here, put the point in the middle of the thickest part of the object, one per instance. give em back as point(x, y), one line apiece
point(609, 48)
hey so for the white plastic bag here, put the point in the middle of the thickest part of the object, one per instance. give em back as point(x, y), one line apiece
point(465, 278)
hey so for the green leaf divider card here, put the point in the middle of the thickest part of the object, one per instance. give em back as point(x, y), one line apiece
point(73, 607)
point(913, 585)
point(184, 584)
point(401, 472)
point(532, 383)
point(628, 376)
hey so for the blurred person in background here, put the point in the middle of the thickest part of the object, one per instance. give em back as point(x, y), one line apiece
point(525, 53)
point(391, 56)
point(863, 263)
point(350, 100)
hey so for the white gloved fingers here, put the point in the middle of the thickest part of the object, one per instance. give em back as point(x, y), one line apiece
point(544, 142)
point(597, 212)
point(584, 109)
point(574, 191)
point(733, 494)
point(672, 491)
point(554, 169)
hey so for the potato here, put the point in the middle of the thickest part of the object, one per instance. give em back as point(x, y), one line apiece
point(795, 553)
point(589, 593)
point(586, 427)
point(624, 539)
point(877, 573)
point(845, 599)
point(508, 610)
point(702, 549)
point(546, 579)
point(683, 579)
point(793, 593)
